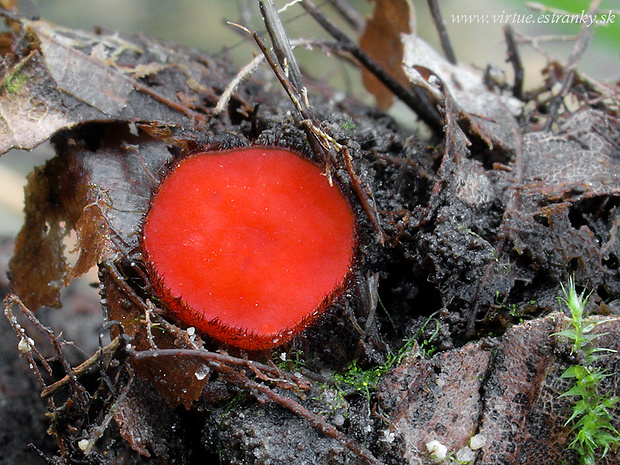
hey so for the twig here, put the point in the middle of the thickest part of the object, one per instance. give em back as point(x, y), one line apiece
point(349, 14)
point(196, 346)
point(83, 367)
point(316, 136)
point(315, 420)
point(433, 5)
point(515, 61)
point(222, 364)
point(413, 97)
point(177, 106)
point(281, 45)
point(535, 41)
point(244, 73)
point(216, 361)
point(371, 211)
point(321, 142)
point(79, 390)
point(119, 280)
point(296, 95)
point(26, 344)
point(86, 445)
point(583, 40)
point(149, 311)
point(251, 67)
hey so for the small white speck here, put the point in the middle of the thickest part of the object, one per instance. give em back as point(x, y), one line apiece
point(388, 436)
point(339, 419)
point(478, 441)
point(465, 455)
point(437, 450)
point(24, 344)
point(84, 445)
point(202, 372)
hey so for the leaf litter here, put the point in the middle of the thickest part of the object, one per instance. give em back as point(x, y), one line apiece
point(476, 226)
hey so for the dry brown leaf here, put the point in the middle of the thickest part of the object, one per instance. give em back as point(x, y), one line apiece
point(10, 5)
point(486, 114)
point(38, 266)
point(146, 422)
point(60, 197)
point(381, 40)
point(480, 389)
point(60, 78)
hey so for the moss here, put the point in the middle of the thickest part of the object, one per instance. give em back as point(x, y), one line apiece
point(15, 81)
point(591, 419)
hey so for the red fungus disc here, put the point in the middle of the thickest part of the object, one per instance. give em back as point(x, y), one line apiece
point(248, 245)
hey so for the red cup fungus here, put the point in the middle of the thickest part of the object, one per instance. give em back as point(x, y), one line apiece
point(248, 245)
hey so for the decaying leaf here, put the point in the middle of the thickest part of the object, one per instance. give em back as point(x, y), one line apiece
point(464, 85)
point(89, 77)
point(503, 391)
point(10, 5)
point(150, 431)
point(31, 108)
point(60, 78)
point(559, 177)
point(381, 40)
point(43, 246)
point(483, 113)
point(577, 162)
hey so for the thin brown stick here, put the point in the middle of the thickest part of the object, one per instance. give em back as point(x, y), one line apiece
point(318, 140)
point(217, 360)
point(83, 367)
point(350, 15)
point(26, 345)
point(448, 51)
point(315, 420)
point(281, 44)
point(181, 108)
point(413, 97)
point(515, 61)
point(86, 445)
point(221, 364)
point(322, 144)
point(294, 94)
point(583, 40)
point(119, 280)
point(370, 210)
point(79, 390)
point(282, 378)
